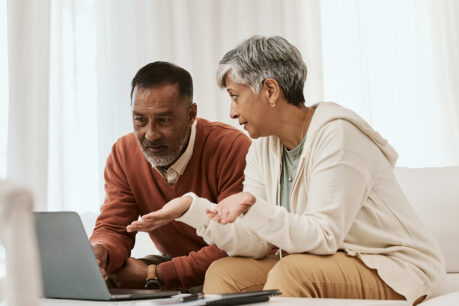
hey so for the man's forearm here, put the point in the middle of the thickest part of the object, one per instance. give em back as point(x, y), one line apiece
point(188, 271)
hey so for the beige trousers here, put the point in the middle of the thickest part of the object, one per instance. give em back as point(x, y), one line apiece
point(299, 275)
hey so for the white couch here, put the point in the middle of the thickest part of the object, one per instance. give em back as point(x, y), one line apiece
point(434, 193)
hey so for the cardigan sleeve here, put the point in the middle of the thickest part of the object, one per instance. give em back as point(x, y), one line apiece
point(236, 238)
point(344, 163)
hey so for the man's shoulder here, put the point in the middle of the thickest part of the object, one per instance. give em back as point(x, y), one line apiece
point(219, 130)
point(125, 145)
point(127, 140)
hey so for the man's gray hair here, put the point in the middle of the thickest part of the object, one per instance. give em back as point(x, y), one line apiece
point(259, 58)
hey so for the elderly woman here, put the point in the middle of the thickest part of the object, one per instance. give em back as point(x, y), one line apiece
point(319, 187)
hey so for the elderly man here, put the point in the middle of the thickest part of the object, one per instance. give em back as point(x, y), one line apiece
point(170, 153)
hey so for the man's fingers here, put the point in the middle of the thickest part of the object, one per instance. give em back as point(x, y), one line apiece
point(150, 217)
point(101, 263)
point(156, 215)
point(101, 253)
point(139, 226)
point(143, 226)
point(104, 274)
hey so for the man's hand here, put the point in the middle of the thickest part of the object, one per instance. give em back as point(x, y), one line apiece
point(101, 254)
point(132, 275)
point(231, 207)
point(172, 210)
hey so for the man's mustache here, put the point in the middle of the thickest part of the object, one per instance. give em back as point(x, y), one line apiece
point(150, 144)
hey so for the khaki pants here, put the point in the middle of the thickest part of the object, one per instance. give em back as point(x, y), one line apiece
point(299, 275)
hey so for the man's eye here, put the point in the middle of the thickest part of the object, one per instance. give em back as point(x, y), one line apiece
point(164, 120)
point(140, 119)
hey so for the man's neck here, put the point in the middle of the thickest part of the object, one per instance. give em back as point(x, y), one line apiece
point(165, 168)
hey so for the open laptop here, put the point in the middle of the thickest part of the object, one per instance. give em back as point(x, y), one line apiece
point(69, 267)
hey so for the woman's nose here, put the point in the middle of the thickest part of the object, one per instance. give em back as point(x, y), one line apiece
point(233, 113)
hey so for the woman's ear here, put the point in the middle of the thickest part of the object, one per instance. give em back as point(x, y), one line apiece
point(272, 90)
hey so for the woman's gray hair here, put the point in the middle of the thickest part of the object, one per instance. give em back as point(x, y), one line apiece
point(259, 58)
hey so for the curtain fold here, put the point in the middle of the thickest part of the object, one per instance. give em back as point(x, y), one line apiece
point(73, 177)
point(193, 34)
point(445, 22)
point(71, 63)
point(380, 59)
point(88, 53)
point(28, 62)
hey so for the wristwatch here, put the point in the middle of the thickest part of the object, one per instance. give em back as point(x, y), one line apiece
point(152, 278)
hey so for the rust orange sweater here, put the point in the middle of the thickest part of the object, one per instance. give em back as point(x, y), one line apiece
point(133, 187)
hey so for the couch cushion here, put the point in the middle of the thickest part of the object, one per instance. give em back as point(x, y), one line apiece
point(448, 299)
point(451, 284)
point(434, 193)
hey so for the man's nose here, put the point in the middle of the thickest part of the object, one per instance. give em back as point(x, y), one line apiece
point(152, 134)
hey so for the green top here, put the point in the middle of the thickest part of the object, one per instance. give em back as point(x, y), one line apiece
point(290, 161)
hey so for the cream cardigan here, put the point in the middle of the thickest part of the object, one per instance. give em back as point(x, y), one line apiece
point(346, 198)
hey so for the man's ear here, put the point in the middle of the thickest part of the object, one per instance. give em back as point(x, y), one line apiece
point(192, 113)
point(272, 90)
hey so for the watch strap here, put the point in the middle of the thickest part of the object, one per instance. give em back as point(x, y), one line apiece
point(152, 278)
point(151, 272)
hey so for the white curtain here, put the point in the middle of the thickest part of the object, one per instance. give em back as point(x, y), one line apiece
point(28, 66)
point(3, 88)
point(97, 46)
point(445, 14)
point(383, 58)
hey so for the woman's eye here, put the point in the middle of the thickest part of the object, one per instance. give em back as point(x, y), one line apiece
point(234, 97)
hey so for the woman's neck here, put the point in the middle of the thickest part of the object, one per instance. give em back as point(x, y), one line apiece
point(292, 124)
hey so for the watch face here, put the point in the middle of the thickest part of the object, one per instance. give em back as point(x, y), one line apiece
point(153, 284)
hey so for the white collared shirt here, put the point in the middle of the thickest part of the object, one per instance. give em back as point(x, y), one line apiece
point(176, 170)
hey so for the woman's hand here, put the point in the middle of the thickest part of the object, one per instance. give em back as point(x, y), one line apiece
point(168, 213)
point(231, 207)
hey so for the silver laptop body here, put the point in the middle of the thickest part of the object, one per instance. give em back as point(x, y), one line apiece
point(69, 268)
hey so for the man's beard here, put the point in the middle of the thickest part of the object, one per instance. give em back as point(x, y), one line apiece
point(167, 159)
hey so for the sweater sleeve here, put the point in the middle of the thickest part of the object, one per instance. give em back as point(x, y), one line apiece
point(231, 165)
point(344, 165)
point(118, 211)
point(188, 271)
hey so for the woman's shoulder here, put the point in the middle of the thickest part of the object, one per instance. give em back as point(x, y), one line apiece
point(264, 150)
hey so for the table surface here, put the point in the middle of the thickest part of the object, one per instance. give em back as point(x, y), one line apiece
point(278, 301)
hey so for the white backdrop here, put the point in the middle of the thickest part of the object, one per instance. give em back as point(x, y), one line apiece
point(384, 70)
point(381, 58)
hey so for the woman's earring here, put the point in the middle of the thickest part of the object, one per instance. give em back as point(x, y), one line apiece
point(272, 104)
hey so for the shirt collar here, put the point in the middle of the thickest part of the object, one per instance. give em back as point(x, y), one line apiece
point(181, 163)
point(177, 168)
